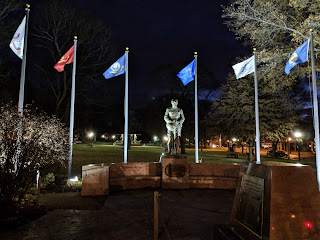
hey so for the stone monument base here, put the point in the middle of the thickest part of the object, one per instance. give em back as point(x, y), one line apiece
point(95, 180)
point(276, 201)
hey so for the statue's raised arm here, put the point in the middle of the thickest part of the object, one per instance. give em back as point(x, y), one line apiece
point(174, 119)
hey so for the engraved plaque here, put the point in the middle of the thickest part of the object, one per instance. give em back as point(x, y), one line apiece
point(250, 209)
point(175, 170)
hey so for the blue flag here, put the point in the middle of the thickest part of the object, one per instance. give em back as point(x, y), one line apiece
point(300, 55)
point(116, 69)
point(187, 74)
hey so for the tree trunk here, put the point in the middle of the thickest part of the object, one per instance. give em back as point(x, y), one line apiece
point(250, 150)
point(274, 148)
point(183, 145)
point(201, 144)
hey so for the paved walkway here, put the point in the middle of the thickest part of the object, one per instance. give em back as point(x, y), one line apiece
point(184, 214)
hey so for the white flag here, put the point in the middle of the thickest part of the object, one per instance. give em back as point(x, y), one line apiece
point(17, 42)
point(244, 68)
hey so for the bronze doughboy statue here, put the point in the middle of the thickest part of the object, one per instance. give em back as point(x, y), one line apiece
point(174, 118)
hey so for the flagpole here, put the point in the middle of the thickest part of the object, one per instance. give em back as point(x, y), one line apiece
point(23, 65)
point(125, 145)
point(256, 107)
point(73, 87)
point(196, 108)
point(315, 109)
point(21, 91)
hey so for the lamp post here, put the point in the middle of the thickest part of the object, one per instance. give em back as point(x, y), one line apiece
point(289, 139)
point(299, 140)
point(165, 141)
point(90, 135)
point(234, 143)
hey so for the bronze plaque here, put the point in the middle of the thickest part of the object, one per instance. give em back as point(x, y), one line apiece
point(250, 209)
point(175, 170)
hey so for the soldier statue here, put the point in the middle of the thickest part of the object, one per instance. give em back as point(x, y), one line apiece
point(174, 119)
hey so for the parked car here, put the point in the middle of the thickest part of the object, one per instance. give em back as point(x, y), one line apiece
point(278, 153)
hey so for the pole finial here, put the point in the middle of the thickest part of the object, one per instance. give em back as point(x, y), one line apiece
point(311, 30)
point(75, 37)
point(28, 5)
point(195, 53)
point(127, 49)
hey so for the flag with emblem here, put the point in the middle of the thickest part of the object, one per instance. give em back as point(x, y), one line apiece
point(300, 55)
point(244, 68)
point(116, 69)
point(67, 58)
point(187, 74)
point(17, 42)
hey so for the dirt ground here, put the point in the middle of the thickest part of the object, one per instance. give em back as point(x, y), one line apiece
point(183, 214)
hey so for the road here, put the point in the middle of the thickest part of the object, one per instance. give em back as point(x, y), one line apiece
point(306, 156)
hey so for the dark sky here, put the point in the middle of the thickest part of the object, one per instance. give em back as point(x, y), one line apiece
point(167, 32)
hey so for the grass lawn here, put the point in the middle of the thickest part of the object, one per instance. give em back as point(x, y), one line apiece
point(104, 153)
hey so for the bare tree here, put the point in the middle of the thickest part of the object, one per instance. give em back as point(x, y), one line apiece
point(59, 24)
point(8, 24)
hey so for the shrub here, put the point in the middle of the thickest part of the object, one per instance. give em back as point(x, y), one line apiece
point(28, 143)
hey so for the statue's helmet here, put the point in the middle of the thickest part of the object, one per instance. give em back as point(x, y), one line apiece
point(174, 103)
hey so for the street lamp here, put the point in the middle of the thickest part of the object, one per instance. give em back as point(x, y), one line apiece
point(297, 134)
point(299, 140)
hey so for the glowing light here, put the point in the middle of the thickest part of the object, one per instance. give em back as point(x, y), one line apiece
point(299, 164)
point(234, 139)
point(103, 136)
point(293, 216)
point(90, 134)
point(289, 139)
point(272, 228)
point(308, 224)
point(75, 179)
point(213, 145)
point(113, 136)
point(297, 134)
point(155, 138)
point(165, 138)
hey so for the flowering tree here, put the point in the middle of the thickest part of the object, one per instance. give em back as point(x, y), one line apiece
point(28, 143)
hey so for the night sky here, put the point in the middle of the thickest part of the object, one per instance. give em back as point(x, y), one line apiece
point(167, 33)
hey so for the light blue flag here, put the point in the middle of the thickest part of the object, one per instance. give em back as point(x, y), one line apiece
point(116, 69)
point(300, 55)
point(187, 74)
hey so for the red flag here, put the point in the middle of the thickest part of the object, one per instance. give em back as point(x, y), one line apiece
point(66, 59)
